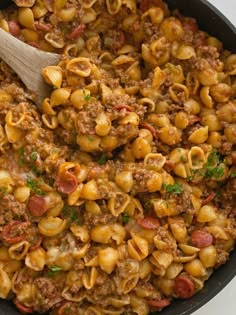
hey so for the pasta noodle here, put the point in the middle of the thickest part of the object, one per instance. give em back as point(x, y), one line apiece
point(119, 190)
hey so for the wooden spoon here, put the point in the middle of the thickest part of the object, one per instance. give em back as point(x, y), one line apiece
point(27, 62)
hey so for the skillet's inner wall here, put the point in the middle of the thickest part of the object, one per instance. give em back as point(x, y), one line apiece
point(120, 192)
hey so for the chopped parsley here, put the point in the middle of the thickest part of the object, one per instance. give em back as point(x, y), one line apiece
point(21, 152)
point(34, 155)
point(175, 188)
point(213, 166)
point(124, 218)
point(3, 191)
point(90, 138)
point(102, 160)
point(71, 213)
point(33, 185)
point(86, 96)
point(54, 270)
point(233, 174)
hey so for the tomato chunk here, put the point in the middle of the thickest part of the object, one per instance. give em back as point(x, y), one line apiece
point(66, 182)
point(37, 205)
point(183, 287)
point(149, 223)
point(159, 304)
point(14, 232)
point(200, 238)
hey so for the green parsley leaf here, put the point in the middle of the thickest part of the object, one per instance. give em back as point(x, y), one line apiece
point(21, 152)
point(67, 310)
point(86, 96)
point(54, 270)
point(34, 155)
point(71, 213)
point(90, 138)
point(102, 160)
point(3, 191)
point(33, 185)
point(124, 218)
point(213, 166)
point(175, 188)
point(233, 174)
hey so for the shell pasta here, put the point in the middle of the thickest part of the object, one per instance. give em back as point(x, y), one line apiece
point(118, 193)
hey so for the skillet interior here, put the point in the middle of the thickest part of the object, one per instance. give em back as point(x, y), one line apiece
point(214, 22)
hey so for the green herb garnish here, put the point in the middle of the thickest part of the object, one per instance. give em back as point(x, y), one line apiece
point(3, 190)
point(175, 188)
point(233, 174)
point(90, 138)
point(102, 160)
point(34, 155)
point(86, 96)
point(54, 270)
point(71, 213)
point(212, 166)
point(33, 185)
point(124, 218)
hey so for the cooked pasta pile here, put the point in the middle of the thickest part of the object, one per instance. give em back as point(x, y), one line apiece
point(118, 194)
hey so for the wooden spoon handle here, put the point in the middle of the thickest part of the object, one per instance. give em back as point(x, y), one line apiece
point(26, 60)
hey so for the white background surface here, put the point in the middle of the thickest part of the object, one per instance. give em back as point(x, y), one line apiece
point(225, 302)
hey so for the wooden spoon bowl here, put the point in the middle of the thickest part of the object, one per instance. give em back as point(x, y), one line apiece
point(28, 63)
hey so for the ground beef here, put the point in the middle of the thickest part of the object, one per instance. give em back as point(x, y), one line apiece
point(210, 54)
point(222, 257)
point(184, 204)
point(48, 293)
point(11, 209)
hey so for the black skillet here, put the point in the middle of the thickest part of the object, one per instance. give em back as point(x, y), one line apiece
point(215, 23)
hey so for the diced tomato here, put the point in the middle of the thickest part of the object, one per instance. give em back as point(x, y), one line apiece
point(159, 304)
point(14, 232)
point(200, 238)
point(14, 28)
point(66, 182)
point(184, 287)
point(37, 205)
point(149, 127)
point(209, 198)
point(147, 4)
point(149, 223)
point(24, 309)
point(77, 32)
point(120, 107)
